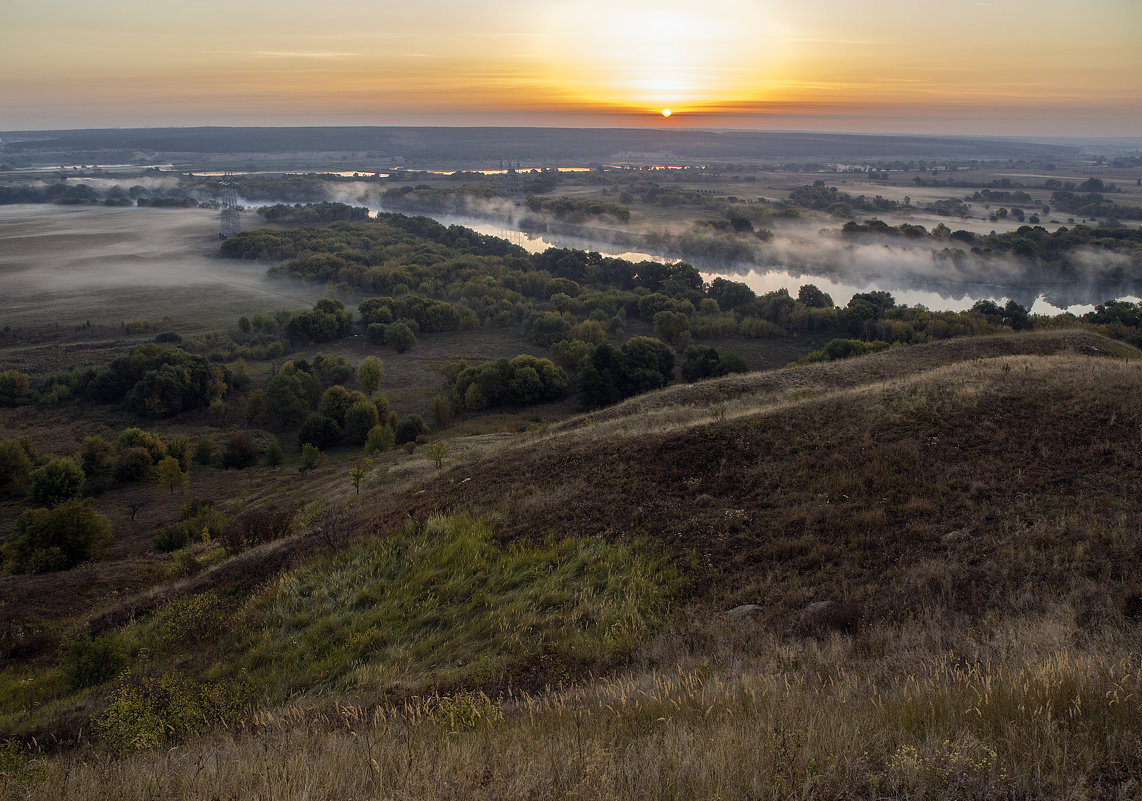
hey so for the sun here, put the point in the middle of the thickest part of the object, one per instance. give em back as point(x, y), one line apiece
point(665, 112)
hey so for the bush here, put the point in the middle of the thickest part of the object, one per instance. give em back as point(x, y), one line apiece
point(379, 439)
point(361, 418)
point(409, 429)
point(151, 712)
point(59, 538)
point(311, 457)
point(203, 450)
point(16, 459)
point(137, 438)
point(319, 431)
point(58, 481)
point(133, 464)
point(400, 337)
point(370, 374)
point(88, 661)
point(173, 537)
point(15, 388)
point(241, 451)
point(255, 527)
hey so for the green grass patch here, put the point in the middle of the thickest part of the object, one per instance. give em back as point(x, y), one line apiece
point(444, 604)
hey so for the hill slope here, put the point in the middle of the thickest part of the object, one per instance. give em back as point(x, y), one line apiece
point(939, 545)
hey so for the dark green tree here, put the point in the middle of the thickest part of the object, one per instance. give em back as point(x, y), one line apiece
point(46, 540)
point(58, 481)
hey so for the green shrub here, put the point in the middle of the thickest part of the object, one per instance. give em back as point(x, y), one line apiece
point(56, 481)
point(173, 537)
point(241, 451)
point(59, 538)
point(16, 459)
point(409, 428)
point(379, 439)
point(89, 661)
point(150, 712)
point(133, 464)
point(311, 457)
point(203, 450)
point(319, 430)
point(466, 711)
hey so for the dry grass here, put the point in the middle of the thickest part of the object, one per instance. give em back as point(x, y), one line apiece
point(1028, 708)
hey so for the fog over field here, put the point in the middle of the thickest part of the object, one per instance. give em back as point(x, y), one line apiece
point(69, 265)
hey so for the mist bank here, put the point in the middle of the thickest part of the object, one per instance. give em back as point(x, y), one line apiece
point(71, 265)
point(939, 274)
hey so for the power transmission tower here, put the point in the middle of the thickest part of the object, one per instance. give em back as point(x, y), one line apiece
point(231, 223)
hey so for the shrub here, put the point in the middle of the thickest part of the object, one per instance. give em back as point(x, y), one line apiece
point(173, 537)
point(400, 337)
point(409, 429)
point(59, 538)
point(203, 450)
point(254, 527)
point(319, 431)
point(15, 388)
point(89, 661)
point(137, 438)
point(361, 418)
point(133, 464)
point(370, 374)
point(151, 712)
point(16, 459)
point(241, 451)
point(379, 439)
point(57, 481)
point(273, 454)
point(311, 457)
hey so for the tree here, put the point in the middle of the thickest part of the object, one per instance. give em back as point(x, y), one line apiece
point(58, 481)
point(813, 297)
point(291, 394)
point(370, 374)
point(379, 439)
point(436, 451)
point(409, 429)
point(335, 402)
point(15, 388)
point(311, 457)
point(16, 459)
point(134, 464)
point(441, 414)
point(171, 475)
point(179, 448)
point(698, 362)
point(58, 539)
point(273, 454)
point(359, 420)
point(400, 337)
point(319, 431)
point(241, 451)
point(358, 473)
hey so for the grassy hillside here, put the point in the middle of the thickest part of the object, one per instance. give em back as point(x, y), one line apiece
point(914, 573)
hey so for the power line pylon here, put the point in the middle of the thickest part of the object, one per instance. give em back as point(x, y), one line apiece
point(231, 222)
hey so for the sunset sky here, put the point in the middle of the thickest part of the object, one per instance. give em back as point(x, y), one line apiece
point(1045, 68)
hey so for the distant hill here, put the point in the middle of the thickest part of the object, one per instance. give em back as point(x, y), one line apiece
point(562, 146)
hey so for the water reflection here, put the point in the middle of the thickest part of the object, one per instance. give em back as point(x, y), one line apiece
point(1039, 296)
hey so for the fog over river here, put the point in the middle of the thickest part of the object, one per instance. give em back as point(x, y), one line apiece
point(908, 272)
point(70, 264)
